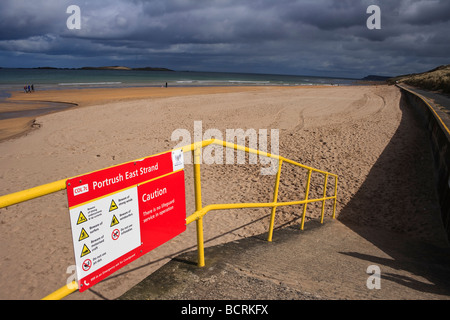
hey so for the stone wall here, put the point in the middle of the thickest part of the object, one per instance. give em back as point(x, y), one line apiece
point(440, 143)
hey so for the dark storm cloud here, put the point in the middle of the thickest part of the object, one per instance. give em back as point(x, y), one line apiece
point(320, 37)
point(426, 12)
point(20, 20)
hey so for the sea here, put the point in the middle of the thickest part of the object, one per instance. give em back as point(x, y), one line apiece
point(14, 80)
point(45, 79)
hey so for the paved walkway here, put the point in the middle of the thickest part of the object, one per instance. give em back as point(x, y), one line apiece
point(440, 102)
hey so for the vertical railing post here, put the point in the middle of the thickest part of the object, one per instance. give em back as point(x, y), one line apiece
point(198, 206)
point(306, 198)
point(324, 196)
point(275, 200)
point(335, 196)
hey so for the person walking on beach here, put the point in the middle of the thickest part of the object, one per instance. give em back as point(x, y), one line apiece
point(29, 88)
point(25, 89)
point(32, 87)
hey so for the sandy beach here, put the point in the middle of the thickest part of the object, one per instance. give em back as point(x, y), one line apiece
point(21, 101)
point(343, 130)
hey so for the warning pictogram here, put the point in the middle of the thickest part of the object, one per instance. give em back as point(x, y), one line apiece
point(83, 235)
point(87, 264)
point(115, 234)
point(81, 218)
point(85, 251)
point(114, 221)
point(113, 206)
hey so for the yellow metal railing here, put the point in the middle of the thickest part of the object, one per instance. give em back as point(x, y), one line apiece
point(200, 211)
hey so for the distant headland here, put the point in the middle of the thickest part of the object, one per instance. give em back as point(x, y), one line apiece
point(375, 78)
point(108, 68)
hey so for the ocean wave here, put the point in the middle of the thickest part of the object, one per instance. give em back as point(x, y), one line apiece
point(88, 83)
point(212, 81)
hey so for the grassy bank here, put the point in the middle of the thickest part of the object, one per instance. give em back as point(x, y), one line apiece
point(437, 79)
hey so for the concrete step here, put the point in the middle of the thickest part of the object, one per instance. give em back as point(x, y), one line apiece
point(328, 261)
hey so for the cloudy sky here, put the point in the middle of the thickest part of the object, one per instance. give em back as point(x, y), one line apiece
point(302, 37)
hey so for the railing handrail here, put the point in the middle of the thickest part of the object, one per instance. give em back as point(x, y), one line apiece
point(200, 212)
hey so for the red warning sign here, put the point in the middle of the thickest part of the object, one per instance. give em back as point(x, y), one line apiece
point(123, 212)
point(162, 210)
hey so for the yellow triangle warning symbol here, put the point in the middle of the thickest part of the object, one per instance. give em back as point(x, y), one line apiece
point(114, 221)
point(113, 206)
point(85, 251)
point(81, 218)
point(83, 235)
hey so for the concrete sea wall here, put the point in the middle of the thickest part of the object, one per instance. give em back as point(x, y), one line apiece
point(439, 135)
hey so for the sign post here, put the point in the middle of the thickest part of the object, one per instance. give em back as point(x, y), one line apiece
point(121, 213)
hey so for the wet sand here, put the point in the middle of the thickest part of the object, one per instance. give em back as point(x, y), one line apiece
point(28, 105)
